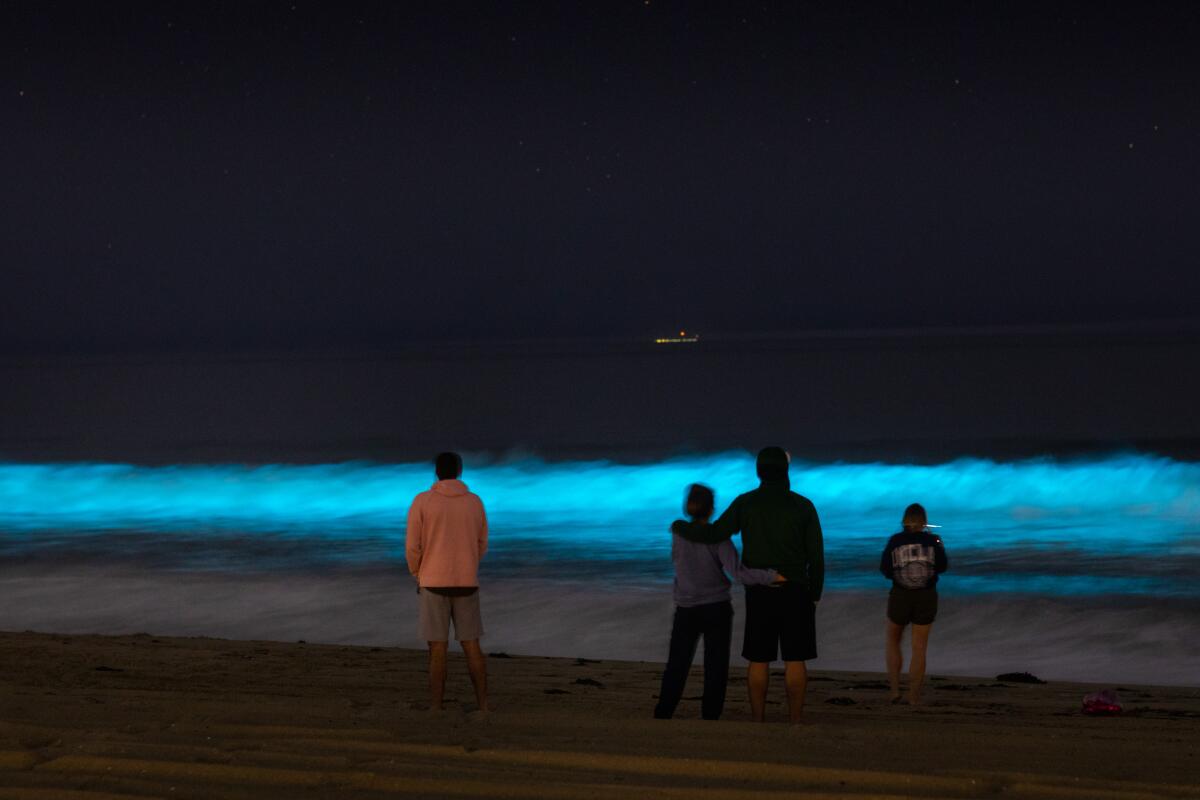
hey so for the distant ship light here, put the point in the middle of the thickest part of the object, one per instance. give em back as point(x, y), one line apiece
point(683, 338)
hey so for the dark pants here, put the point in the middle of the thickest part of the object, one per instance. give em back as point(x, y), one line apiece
point(715, 623)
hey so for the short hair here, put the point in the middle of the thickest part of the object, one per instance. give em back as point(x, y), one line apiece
point(914, 517)
point(448, 465)
point(700, 501)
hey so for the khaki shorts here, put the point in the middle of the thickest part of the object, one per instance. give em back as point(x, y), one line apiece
point(437, 610)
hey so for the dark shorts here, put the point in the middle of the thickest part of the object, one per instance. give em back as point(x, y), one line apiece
point(781, 621)
point(916, 606)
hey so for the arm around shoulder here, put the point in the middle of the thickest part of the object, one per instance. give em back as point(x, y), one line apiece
point(701, 532)
point(696, 531)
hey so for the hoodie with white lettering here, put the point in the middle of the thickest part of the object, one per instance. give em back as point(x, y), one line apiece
point(914, 559)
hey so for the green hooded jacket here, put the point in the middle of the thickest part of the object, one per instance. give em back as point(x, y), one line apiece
point(780, 530)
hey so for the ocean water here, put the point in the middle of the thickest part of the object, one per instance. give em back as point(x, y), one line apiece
point(263, 495)
point(1072, 567)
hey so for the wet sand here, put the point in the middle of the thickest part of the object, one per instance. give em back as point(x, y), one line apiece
point(96, 717)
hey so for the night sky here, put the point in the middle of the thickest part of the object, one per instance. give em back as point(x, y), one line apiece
point(242, 175)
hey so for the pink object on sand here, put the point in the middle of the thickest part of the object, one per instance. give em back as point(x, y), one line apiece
point(1104, 701)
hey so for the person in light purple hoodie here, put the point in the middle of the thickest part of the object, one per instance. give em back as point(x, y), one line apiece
point(703, 608)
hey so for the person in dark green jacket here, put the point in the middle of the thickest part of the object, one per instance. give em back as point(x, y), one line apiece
point(780, 530)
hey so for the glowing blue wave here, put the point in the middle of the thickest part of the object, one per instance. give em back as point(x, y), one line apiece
point(1128, 521)
point(1126, 489)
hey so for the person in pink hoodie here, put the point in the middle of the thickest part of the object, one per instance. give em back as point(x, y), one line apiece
point(445, 538)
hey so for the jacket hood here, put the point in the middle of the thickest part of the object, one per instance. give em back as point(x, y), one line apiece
point(450, 488)
point(772, 464)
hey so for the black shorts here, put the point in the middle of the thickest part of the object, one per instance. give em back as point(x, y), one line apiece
point(918, 606)
point(781, 620)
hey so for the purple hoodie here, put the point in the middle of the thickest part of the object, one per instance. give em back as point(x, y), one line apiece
point(700, 572)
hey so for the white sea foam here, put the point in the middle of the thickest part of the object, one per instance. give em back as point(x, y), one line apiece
point(1145, 641)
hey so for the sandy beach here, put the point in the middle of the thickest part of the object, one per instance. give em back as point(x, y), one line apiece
point(146, 716)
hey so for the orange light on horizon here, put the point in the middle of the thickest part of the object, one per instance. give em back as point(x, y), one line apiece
point(683, 338)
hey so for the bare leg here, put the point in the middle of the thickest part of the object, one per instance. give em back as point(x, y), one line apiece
point(916, 666)
point(437, 674)
point(477, 666)
point(895, 659)
point(758, 675)
point(796, 679)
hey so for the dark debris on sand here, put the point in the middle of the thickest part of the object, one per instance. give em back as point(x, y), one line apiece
point(1019, 677)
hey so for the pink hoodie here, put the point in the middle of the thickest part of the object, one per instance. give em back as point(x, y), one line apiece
point(446, 535)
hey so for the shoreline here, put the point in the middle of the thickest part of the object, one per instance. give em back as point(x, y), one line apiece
point(1118, 640)
point(142, 715)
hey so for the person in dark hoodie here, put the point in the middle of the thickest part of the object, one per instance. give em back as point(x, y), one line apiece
point(781, 531)
point(702, 608)
point(913, 559)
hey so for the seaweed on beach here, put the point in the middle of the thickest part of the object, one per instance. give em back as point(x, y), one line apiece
point(1019, 677)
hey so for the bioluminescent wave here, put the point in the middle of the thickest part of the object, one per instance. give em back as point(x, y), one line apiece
point(1122, 524)
point(1075, 569)
point(1127, 486)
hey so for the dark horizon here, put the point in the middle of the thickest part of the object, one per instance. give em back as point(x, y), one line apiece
point(913, 399)
point(1093, 334)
